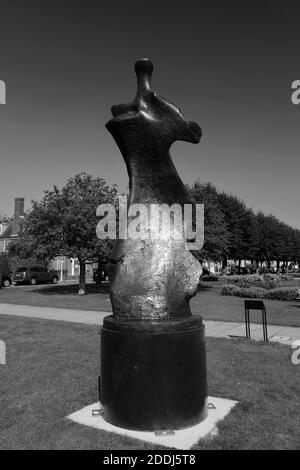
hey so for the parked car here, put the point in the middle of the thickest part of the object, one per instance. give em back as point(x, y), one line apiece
point(6, 281)
point(34, 275)
point(101, 276)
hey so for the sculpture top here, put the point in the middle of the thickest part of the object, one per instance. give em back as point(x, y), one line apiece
point(144, 130)
point(143, 69)
point(150, 106)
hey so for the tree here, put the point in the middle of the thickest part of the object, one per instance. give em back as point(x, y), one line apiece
point(64, 223)
point(272, 238)
point(295, 246)
point(215, 232)
point(232, 230)
point(5, 267)
point(241, 226)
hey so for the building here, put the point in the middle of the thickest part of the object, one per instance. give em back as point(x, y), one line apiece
point(9, 232)
point(3, 226)
point(68, 268)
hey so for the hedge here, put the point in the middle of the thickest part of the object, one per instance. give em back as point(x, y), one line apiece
point(288, 294)
point(283, 293)
point(248, 292)
point(267, 281)
point(229, 289)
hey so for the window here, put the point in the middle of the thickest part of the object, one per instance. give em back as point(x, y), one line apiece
point(22, 269)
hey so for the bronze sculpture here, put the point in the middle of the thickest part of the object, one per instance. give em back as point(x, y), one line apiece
point(152, 326)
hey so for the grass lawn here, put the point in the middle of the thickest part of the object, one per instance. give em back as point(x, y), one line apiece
point(214, 306)
point(60, 296)
point(52, 370)
point(209, 302)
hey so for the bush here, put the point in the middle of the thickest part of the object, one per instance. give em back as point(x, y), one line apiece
point(229, 289)
point(245, 292)
point(288, 294)
point(271, 281)
point(209, 278)
point(251, 292)
point(268, 281)
point(242, 281)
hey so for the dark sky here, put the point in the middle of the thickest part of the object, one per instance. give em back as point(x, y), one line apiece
point(228, 65)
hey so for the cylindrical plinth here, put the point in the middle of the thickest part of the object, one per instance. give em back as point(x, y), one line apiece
point(153, 380)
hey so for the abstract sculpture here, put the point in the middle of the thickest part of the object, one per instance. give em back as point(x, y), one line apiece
point(153, 366)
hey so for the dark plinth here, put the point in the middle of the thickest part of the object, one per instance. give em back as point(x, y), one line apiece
point(153, 379)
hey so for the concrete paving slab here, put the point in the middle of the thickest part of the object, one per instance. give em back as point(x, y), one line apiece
point(182, 439)
point(88, 317)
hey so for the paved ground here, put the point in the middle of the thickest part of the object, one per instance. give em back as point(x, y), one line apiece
point(281, 334)
point(88, 317)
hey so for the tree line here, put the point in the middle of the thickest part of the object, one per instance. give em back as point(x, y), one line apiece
point(234, 231)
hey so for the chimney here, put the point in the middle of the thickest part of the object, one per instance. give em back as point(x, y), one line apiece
point(19, 207)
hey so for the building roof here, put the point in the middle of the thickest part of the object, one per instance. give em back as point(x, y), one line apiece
point(13, 228)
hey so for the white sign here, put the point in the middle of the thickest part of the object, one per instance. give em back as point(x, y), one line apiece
point(296, 94)
point(296, 354)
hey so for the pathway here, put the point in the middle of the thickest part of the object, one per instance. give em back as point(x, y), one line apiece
point(216, 329)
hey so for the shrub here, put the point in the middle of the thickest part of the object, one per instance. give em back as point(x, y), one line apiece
point(229, 289)
point(283, 293)
point(288, 294)
point(242, 281)
point(251, 292)
point(245, 292)
point(271, 281)
point(268, 281)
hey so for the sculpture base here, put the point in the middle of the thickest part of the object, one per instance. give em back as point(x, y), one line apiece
point(150, 379)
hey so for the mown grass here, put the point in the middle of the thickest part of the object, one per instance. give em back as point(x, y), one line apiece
point(59, 296)
point(52, 370)
point(213, 306)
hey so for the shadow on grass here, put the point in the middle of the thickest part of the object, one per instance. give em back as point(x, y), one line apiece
point(72, 289)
